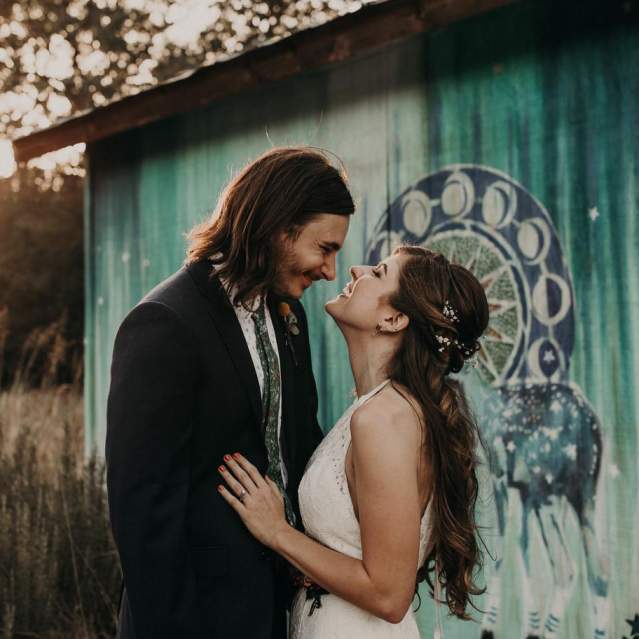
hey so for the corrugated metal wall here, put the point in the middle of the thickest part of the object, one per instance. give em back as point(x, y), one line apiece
point(512, 138)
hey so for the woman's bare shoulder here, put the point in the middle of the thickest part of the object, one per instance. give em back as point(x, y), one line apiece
point(392, 408)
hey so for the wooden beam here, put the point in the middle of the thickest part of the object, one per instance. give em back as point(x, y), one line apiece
point(370, 28)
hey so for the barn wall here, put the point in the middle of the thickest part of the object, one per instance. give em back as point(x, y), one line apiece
point(510, 142)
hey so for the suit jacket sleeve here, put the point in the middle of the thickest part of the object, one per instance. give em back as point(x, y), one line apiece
point(317, 433)
point(148, 469)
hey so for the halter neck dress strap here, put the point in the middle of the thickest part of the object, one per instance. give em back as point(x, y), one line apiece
point(363, 398)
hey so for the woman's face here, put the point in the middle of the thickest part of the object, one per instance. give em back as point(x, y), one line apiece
point(364, 301)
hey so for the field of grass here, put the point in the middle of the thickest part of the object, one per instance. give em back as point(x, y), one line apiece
point(59, 574)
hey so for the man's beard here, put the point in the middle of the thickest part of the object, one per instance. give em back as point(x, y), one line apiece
point(286, 268)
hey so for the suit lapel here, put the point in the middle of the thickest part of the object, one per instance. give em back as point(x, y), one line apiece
point(228, 327)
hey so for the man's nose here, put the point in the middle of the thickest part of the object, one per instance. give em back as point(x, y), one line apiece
point(328, 268)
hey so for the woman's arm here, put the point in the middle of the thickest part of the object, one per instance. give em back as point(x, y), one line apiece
point(385, 450)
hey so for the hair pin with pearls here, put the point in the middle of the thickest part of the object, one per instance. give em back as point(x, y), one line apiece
point(450, 313)
point(444, 342)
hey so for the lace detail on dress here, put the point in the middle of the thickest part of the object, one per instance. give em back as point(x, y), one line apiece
point(329, 517)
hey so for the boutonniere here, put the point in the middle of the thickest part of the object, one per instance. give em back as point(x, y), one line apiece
point(290, 323)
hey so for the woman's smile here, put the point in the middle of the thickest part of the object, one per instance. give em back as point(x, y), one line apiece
point(347, 290)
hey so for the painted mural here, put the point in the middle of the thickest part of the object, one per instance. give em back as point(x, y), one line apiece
point(543, 439)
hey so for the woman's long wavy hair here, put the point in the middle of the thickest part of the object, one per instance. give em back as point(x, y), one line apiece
point(437, 343)
point(280, 192)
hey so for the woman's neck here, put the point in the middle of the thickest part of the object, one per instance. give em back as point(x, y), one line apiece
point(369, 357)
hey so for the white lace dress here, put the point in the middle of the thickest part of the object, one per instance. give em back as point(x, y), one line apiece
point(328, 516)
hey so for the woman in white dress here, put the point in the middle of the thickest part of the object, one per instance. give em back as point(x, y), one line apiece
point(388, 498)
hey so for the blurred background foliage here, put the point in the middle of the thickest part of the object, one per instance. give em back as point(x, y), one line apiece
point(59, 571)
point(64, 57)
point(41, 270)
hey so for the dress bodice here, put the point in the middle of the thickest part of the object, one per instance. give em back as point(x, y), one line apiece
point(329, 518)
point(325, 502)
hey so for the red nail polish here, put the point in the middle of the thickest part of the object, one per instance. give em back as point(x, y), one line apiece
point(220, 489)
point(222, 469)
point(227, 458)
point(236, 455)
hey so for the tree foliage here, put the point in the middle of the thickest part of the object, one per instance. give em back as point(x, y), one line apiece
point(64, 57)
point(41, 266)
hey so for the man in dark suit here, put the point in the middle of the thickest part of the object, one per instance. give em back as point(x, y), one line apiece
point(216, 360)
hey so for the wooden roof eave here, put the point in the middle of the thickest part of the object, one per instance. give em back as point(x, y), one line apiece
point(371, 27)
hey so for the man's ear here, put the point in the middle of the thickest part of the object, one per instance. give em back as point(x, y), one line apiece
point(395, 323)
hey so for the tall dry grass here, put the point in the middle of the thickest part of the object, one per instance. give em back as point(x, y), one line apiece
point(59, 574)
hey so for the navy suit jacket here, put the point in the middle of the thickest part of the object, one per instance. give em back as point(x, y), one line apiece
point(183, 393)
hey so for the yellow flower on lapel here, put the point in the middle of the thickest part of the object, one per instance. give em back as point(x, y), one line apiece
point(289, 318)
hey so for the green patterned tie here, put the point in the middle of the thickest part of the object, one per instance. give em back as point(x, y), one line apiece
point(271, 404)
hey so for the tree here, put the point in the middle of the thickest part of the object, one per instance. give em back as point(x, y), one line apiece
point(41, 268)
point(65, 57)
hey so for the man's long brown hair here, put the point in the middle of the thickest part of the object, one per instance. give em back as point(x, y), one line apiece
point(451, 438)
point(280, 192)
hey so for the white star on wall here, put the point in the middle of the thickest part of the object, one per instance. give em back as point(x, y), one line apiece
point(549, 357)
point(593, 213)
point(553, 433)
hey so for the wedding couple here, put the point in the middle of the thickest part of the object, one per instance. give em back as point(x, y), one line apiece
point(228, 505)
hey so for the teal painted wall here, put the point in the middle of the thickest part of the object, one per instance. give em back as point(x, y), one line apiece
point(515, 136)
